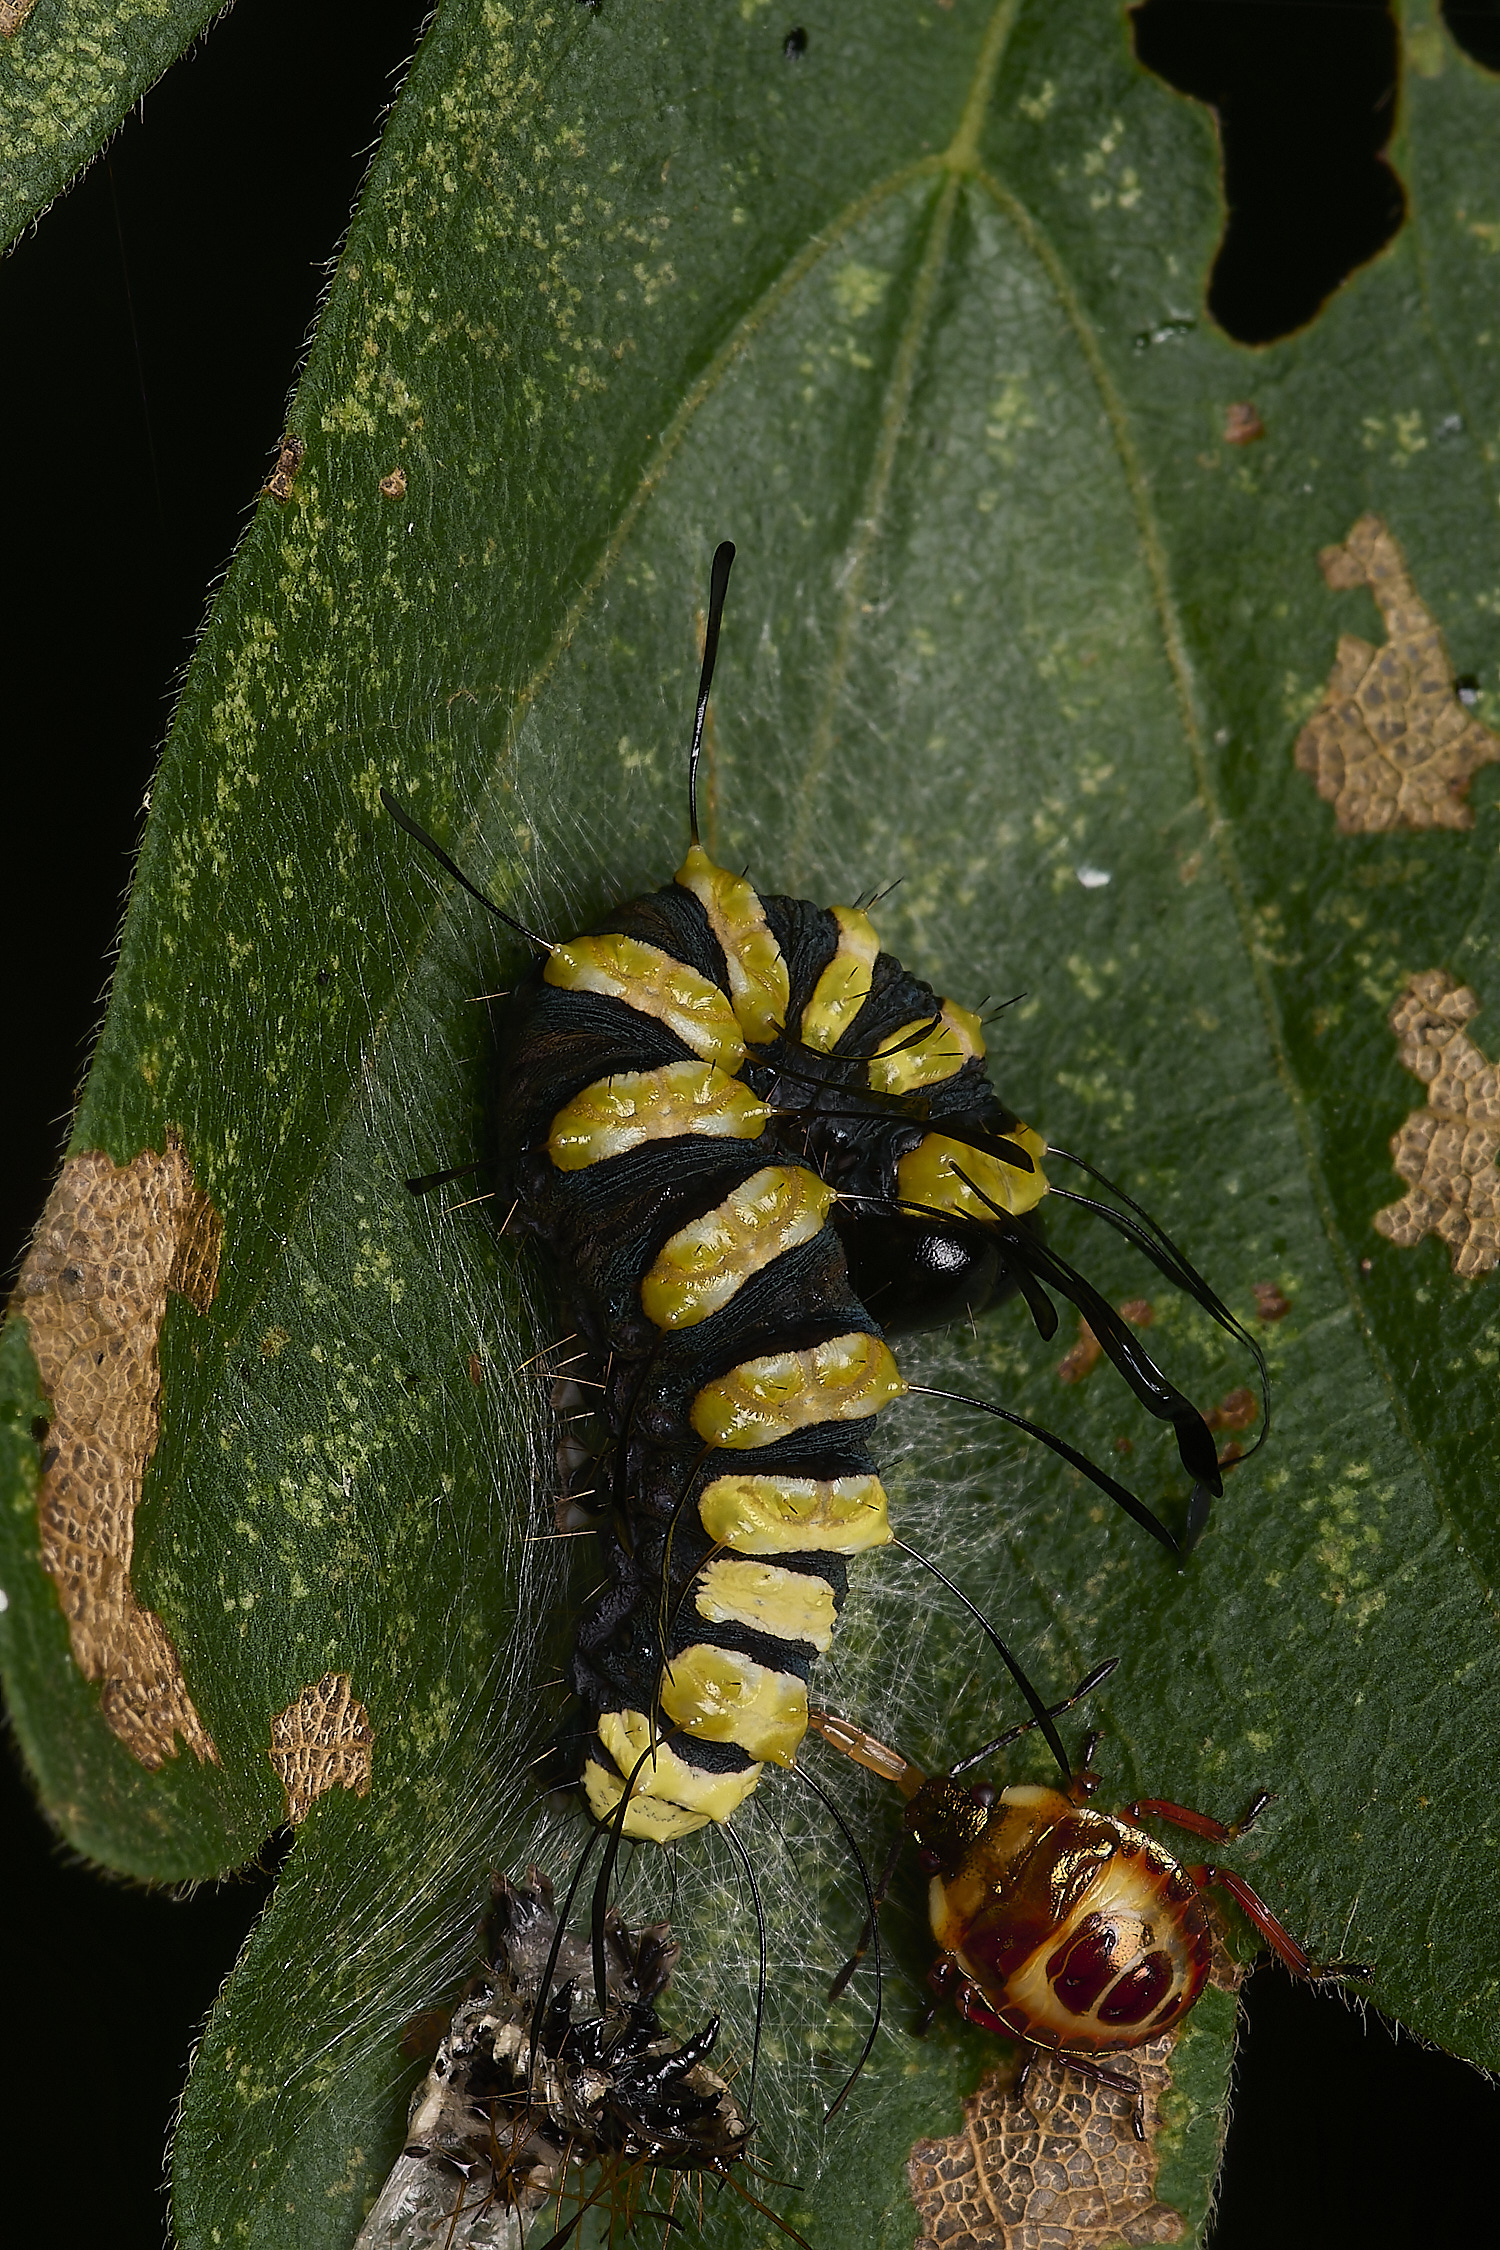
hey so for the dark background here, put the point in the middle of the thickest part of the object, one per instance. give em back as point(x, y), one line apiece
point(154, 324)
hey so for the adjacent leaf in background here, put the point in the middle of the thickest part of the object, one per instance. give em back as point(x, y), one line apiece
point(914, 316)
point(70, 71)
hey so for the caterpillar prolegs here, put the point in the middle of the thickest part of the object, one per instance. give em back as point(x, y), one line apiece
point(756, 1148)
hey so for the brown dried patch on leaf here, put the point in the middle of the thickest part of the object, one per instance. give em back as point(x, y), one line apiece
point(1242, 424)
point(13, 14)
point(278, 485)
point(1059, 2169)
point(394, 485)
point(1447, 1150)
point(1235, 1411)
point(1081, 1358)
point(322, 1741)
point(112, 1241)
point(1391, 745)
point(1270, 1304)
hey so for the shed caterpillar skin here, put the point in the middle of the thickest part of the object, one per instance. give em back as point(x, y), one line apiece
point(536, 2083)
point(755, 1147)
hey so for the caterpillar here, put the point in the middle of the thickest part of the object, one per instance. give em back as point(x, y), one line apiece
point(755, 1148)
point(1068, 1929)
point(530, 2088)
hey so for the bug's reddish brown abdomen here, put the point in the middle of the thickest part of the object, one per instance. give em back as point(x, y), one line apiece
point(1081, 1933)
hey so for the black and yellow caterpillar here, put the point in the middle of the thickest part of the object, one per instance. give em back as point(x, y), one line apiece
point(756, 1147)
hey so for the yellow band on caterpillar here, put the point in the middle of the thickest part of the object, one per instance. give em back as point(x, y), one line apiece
point(706, 1263)
point(956, 1038)
point(654, 984)
point(758, 982)
point(769, 1515)
point(620, 1113)
point(844, 987)
point(790, 1605)
point(722, 1696)
point(652, 1819)
point(930, 1176)
point(765, 1399)
point(670, 1798)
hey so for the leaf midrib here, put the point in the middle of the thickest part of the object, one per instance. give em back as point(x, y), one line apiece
point(960, 157)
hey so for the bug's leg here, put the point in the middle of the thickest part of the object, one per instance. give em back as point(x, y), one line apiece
point(1275, 1933)
point(949, 1982)
point(1255, 1910)
point(1249, 1901)
point(887, 1875)
point(1198, 1823)
point(943, 1977)
point(1120, 2080)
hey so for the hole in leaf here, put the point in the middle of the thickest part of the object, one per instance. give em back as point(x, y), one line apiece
point(1475, 26)
point(1305, 102)
point(1333, 2109)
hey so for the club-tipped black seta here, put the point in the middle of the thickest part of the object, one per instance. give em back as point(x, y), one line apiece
point(718, 587)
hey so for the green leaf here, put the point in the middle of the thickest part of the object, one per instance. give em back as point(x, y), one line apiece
point(70, 72)
point(917, 320)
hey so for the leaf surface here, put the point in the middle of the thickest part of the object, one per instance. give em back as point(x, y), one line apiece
point(916, 319)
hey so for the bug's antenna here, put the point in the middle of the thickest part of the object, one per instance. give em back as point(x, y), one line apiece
point(718, 587)
point(1040, 1715)
point(414, 829)
point(760, 1986)
point(1085, 1687)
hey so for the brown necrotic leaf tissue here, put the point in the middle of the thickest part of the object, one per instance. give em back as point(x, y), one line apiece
point(1391, 745)
point(112, 1242)
point(1060, 2169)
point(322, 1741)
point(1447, 1150)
